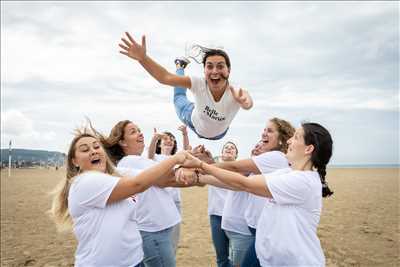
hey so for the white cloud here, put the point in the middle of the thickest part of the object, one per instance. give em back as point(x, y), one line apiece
point(299, 60)
point(13, 122)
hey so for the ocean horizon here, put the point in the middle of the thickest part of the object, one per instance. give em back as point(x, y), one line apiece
point(369, 166)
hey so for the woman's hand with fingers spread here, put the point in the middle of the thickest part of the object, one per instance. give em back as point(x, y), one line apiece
point(132, 49)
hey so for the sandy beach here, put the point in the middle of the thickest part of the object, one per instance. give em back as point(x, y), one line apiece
point(359, 224)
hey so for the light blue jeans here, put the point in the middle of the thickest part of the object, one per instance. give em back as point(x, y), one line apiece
point(238, 246)
point(184, 108)
point(220, 241)
point(250, 259)
point(176, 230)
point(158, 248)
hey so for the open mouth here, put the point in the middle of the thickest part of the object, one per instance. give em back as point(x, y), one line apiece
point(95, 161)
point(141, 141)
point(215, 81)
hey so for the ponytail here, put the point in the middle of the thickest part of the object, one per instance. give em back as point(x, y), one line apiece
point(320, 138)
point(326, 191)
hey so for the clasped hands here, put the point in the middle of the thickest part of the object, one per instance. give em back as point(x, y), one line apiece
point(189, 169)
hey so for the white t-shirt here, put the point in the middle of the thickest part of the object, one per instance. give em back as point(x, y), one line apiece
point(266, 163)
point(287, 228)
point(107, 234)
point(156, 210)
point(233, 213)
point(173, 191)
point(216, 200)
point(211, 118)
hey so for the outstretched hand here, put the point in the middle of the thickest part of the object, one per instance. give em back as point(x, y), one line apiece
point(132, 49)
point(201, 153)
point(158, 135)
point(183, 129)
point(242, 97)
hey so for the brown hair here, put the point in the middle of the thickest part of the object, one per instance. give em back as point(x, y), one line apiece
point(59, 208)
point(285, 130)
point(158, 144)
point(111, 143)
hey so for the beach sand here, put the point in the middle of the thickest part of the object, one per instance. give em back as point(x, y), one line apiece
point(359, 223)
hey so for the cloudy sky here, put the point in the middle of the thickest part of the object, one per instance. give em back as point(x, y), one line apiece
point(336, 63)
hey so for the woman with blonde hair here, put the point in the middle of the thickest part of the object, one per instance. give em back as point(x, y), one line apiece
point(100, 204)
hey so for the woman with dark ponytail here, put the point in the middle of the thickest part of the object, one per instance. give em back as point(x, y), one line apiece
point(287, 227)
point(319, 137)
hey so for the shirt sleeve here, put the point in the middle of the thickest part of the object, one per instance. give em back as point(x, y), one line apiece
point(196, 84)
point(94, 188)
point(288, 188)
point(270, 161)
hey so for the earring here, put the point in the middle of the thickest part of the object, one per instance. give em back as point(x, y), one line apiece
point(280, 143)
point(77, 168)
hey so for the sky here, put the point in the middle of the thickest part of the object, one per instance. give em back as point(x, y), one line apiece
point(335, 63)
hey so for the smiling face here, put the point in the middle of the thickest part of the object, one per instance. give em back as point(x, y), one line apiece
point(89, 155)
point(216, 72)
point(298, 151)
point(229, 152)
point(133, 140)
point(167, 144)
point(270, 137)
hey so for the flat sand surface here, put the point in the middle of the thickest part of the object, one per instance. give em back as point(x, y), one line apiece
point(359, 223)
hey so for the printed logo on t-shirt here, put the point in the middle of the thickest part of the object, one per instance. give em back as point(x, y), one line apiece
point(213, 114)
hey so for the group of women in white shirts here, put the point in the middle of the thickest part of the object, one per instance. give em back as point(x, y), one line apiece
point(124, 207)
point(123, 212)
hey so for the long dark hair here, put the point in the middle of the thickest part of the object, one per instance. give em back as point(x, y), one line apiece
point(320, 138)
point(158, 144)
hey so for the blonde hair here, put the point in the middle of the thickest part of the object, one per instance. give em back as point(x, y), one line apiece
point(285, 130)
point(59, 208)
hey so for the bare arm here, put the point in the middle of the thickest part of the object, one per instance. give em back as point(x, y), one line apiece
point(186, 145)
point(243, 166)
point(137, 52)
point(252, 184)
point(211, 180)
point(153, 142)
point(128, 186)
point(170, 181)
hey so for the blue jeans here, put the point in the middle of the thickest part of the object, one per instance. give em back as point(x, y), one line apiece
point(238, 244)
point(250, 259)
point(220, 241)
point(140, 265)
point(176, 230)
point(184, 108)
point(158, 248)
